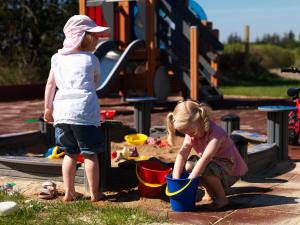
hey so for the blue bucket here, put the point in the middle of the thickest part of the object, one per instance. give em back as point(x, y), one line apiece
point(182, 192)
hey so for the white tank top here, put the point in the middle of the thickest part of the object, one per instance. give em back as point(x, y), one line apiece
point(76, 101)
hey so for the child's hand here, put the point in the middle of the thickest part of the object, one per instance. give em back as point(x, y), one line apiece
point(48, 116)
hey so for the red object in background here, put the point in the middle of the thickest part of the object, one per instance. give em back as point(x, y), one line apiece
point(114, 154)
point(107, 114)
point(96, 14)
point(80, 158)
point(163, 143)
point(103, 115)
point(110, 114)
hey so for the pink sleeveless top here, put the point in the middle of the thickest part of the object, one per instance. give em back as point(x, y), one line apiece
point(227, 155)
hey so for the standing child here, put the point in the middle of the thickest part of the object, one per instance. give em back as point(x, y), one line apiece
point(220, 165)
point(74, 108)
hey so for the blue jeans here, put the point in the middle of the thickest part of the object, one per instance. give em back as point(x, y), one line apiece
point(75, 139)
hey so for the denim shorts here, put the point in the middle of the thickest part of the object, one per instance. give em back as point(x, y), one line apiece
point(75, 139)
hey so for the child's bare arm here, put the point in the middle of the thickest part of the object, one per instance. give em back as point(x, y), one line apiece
point(49, 96)
point(209, 152)
point(181, 160)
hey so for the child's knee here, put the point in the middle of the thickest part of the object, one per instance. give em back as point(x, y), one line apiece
point(188, 167)
point(191, 162)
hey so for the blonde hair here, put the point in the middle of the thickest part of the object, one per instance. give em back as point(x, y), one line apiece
point(184, 115)
point(89, 42)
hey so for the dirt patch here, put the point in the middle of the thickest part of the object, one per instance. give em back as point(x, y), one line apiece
point(157, 150)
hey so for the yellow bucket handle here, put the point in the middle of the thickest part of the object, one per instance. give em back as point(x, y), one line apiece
point(178, 191)
point(146, 183)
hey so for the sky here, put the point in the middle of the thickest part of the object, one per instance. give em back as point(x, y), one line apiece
point(263, 16)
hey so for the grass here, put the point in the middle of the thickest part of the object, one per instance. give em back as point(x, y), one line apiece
point(79, 212)
point(276, 88)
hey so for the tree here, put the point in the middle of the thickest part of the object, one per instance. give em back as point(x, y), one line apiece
point(234, 38)
point(31, 31)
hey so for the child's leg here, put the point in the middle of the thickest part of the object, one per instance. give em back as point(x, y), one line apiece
point(208, 195)
point(214, 187)
point(91, 165)
point(69, 171)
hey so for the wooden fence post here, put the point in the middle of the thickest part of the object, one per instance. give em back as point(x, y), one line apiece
point(194, 83)
point(246, 38)
point(82, 7)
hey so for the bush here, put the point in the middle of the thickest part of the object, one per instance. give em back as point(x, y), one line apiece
point(272, 56)
point(241, 68)
point(232, 48)
point(297, 57)
point(269, 56)
point(30, 33)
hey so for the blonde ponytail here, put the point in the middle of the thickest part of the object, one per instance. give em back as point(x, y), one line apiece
point(204, 116)
point(170, 129)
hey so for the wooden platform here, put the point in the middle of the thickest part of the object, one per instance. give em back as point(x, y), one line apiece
point(36, 168)
point(251, 136)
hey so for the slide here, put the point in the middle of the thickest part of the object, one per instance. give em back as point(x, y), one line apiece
point(112, 60)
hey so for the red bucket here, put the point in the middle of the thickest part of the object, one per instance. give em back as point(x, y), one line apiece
point(103, 115)
point(152, 178)
point(110, 114)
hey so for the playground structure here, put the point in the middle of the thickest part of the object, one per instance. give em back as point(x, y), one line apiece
point(156, 48)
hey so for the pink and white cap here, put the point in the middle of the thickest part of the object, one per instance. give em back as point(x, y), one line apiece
point(75, 29)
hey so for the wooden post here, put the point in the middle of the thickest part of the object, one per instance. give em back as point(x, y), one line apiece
point(150, 45)
point(215, 65)
point(246, 38)
point(82, 7)
point(194, 92)
point(124, 23)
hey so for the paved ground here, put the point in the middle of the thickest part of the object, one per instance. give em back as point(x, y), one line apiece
point(271, 198)
point(21, 116)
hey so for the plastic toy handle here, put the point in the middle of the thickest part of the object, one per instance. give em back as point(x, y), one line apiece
point(169, 194)
point(147, 184)
point(54, 154)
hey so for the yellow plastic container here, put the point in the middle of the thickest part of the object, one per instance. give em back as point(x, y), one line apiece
point(139, 158)
point(136, 139)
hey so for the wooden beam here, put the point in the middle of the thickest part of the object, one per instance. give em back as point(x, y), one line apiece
point(247, 38)
point(215, 65)
point(214, 78)
point(194, 92)
point(124, 23)
point(150, 45)
point(82, 7)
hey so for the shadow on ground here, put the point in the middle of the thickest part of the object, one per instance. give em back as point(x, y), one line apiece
point(252, 200)
point(269, 174)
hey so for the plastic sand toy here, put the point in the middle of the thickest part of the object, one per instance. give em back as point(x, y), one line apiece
point(136, 139)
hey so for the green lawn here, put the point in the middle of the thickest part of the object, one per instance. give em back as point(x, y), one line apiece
point(80, 212)
point(277, 88)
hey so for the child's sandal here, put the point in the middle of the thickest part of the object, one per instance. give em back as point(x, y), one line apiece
point(47, 193)
point(48, 190)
